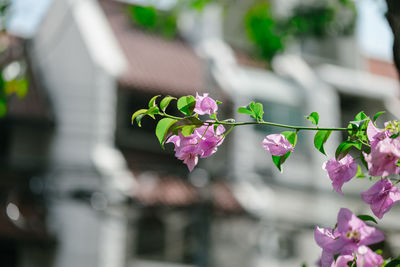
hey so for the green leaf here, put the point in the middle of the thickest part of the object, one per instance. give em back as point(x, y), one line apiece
point(336, 256)
point(165, 102)
point(139, 119)
point(189, 121)
point(359, 173)
point(17, 86)
point(376, 116)
point(313, 117)
point(213, 116)
point(162, 129)
point(360, 116)
point(398, 163)
point(279, 160)
point(343, 149)
point(291, 137)
point(393, 263)
point(3, 107)
point(152, 102)
point(153, 111)
point(320, 139)
point(255, 110)
point(187, 130)
point(136, 114)
point(367, 218)
point(218, 102)
point(215, 127)
point(360, 123)
point(395, 136)
point(186, 104)
point(258, 111)
point(244, 110)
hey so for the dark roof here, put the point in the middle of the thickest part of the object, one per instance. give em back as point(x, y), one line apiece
point(155, 64)
point(155, 189)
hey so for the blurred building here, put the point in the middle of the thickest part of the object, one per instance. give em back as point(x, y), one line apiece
point(107, 195)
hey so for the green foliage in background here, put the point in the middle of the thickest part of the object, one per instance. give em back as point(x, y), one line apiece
point(163, 22)
point(325, 18)
point(270, 34)
point(151, 19)
point(14, 84)
point(264, 30)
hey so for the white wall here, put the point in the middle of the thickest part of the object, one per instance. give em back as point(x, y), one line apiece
point(74, 51)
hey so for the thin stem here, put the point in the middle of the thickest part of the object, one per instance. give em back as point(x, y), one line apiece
point(170, 116)
point(298, 128)
point(278, 125)
point(365, 144)
point(225, 134)
point(201, 138)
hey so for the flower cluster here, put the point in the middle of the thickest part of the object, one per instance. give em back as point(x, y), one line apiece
point(385, 152)
point(382, 162)
point(348, 241)
point(203, 142)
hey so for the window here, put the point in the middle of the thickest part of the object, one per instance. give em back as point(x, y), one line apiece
point(150, 237)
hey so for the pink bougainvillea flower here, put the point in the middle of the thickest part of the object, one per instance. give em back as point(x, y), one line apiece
point(277, 144)
point(355, 232)
point(367, 258)
point(205, 105)
point(381, 196)
point(340, 171)
point(376, 135)
point(185, 149)
point(383, 157)
point(209, 139)
point(202, 142)
point(350, 234)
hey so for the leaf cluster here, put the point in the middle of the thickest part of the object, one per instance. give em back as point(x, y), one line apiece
point(255, 110)
point(151, 19)
point(170, 125)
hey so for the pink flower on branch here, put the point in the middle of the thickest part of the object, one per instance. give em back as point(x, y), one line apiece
point(364, 256)
point(350, 236)
point(367, 258)
point(203, 142)
point(277, 144)
point(385, 152)
point(383, 157)
point(340, 171)
point(376, 135)
point(205, 105)
point(381, 196)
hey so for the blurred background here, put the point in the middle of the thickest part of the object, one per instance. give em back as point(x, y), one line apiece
point(80, 186)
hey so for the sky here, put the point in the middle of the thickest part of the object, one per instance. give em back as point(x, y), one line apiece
point(373, 33)
point(26, 16)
